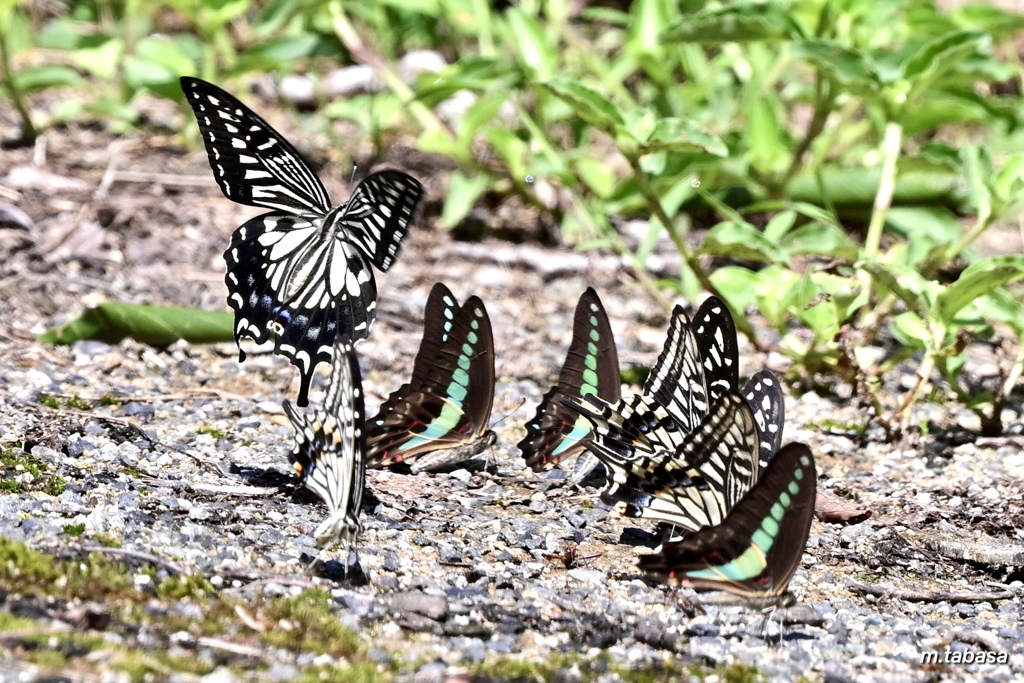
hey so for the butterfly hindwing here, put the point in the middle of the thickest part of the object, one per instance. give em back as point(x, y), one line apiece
point(301, 272)
point(448, 403)
point(763, 392)
point(591, 368)
point(715, 331)
point(329, 454)
point(378, 214)
point(757, 548)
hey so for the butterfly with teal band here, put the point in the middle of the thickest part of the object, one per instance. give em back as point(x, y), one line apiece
point(440, 417)
point(558, 432)
point(757, 548)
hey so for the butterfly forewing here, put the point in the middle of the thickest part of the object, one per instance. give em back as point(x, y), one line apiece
point(302, 272)
point(677, 379)
point(377, 216)
point(758, 547)
point(764, 394)
point(715, 331)
point(591, 368)
point(329, 450)
point(448, 402)
point(251, 162)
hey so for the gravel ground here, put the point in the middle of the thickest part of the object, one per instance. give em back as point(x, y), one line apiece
point(173, 464)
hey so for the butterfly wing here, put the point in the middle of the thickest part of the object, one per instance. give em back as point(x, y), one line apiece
point(758, 547)
point(677, 379)
point(251, 162)
point(450, 403)
point(763, 392)
point(690, 485)
point(378, 214)
point(329, 450)
point(715, 332)
point(590, 368)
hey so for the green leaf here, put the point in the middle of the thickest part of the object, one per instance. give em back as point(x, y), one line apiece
point(779, 225)
point(597, 175)
point(463, 192)
point(737, 285)
point(101, 61)
point(888, 279)
point(911, 331)
point(740, 241)
point(1002, 306)
point(33, 78)
point(158, 326)
point(680, 135)
point(280, 51)
point(978, 169)
point(766, 137)
point(741, 23)
point(851, 69)
point(589, 105)
point(940, 56)
point(823, 240)
point(978, 279)
point(482, 112)
point(511, 149)
point(775, 289)
point(531, 44)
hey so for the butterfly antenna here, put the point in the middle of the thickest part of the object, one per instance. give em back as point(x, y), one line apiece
point(508, 414)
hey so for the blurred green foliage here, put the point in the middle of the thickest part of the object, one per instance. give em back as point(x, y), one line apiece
point(785, 126)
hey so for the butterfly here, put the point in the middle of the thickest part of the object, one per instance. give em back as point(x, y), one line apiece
point(301, 271)
point(329, 454)
point(757, 548)
point(698, 364)
point(557, 431)
point(447, 403)
point(687, 479)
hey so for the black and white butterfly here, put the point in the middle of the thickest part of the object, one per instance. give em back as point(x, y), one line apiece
point(301, 272)
point(440, 417)
point(687, 479)
point(329, 454)
point(557, 431)
point(699, 363)
point(672, 457)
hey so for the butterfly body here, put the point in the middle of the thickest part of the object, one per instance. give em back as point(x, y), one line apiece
point(591, 367)
point(329, 453)
point(301, 272)
point(447, 404)
point(757, 548)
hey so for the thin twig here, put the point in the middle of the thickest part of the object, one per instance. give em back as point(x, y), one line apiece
point(926, 596)
point(135, 555)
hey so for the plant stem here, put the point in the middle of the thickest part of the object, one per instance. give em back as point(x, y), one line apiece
point(689, 258)
point(906, 405)
point(822, 109)
point(28, 129)
point(350, 39)
point(886, 186)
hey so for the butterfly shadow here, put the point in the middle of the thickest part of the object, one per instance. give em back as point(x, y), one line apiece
point(269, 478)
point(347, 571)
